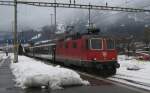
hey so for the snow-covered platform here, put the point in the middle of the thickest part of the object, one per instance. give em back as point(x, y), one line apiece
point(7, 85)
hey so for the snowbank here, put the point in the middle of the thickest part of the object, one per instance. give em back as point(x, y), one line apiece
point(32, 73)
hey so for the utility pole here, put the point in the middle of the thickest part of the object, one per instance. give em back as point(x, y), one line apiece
point(55, 14)
point(15, 33)
point(51, 19)
point(89, 16)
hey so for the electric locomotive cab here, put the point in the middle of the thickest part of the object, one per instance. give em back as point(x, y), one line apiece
point(101, 52)
point(88, 51)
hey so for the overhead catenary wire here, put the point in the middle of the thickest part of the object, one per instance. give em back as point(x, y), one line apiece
point(78, 6)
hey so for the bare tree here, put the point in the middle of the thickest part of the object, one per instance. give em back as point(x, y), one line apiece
point(147, 36)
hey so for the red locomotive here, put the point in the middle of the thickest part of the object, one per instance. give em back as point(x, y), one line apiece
point(89, 51)
point(85, 51)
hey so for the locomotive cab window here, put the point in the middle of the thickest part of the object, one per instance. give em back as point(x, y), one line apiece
point(95, 43)
point(110, 44)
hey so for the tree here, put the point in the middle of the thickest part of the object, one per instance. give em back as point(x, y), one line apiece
point(147, 36)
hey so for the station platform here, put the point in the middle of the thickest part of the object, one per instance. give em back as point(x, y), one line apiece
point(7, 85)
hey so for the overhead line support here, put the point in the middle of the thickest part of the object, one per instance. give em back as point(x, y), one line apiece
point(80, 6)
point(15, 33)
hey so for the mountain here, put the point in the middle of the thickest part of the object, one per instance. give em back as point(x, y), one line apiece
point(23, 37)
point(116, 24)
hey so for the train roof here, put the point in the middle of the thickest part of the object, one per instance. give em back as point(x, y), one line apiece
point(44, 45)
point(45, 42)
point(82, 36)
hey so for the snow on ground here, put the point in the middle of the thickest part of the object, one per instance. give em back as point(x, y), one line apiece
point(132, 70)
point(32, 73)
point(2, 55)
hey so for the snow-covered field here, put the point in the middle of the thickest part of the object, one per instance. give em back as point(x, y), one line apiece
point(32, 73)
point(133, 72)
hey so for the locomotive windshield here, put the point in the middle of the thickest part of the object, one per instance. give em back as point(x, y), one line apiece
point(110, 44)
point(95, 43)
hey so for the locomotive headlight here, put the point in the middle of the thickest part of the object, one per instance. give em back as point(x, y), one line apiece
point(94, 59)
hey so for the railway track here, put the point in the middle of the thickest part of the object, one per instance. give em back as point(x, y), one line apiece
point(138, 84)
point(97, 80)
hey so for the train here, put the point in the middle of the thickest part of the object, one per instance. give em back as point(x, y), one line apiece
point(83, 51)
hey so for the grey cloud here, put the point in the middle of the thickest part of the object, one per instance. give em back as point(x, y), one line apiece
point(36, 17)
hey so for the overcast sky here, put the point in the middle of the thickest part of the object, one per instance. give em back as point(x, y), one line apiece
point(36, 17)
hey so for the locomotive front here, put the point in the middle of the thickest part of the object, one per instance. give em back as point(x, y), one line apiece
point(88, 51)
point(100, 53)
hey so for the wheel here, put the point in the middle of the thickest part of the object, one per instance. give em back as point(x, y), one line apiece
point(111, 71)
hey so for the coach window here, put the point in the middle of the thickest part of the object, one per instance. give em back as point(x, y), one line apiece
point(74, 45)
point(45, 49)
